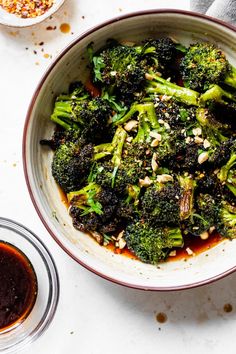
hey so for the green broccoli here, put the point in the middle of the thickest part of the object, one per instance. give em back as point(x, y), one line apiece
point(160, 204)
point(156, 85)
point(227, 221)
point(150, 244)
point(118, 68)
point(78, 111)
point(72, 164)
point(203, 65)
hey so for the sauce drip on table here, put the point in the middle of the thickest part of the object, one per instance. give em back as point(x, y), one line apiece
point(18, 286)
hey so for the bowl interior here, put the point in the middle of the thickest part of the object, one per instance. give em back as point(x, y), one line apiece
point(72, 65)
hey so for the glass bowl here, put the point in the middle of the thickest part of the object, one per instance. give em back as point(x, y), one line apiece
point(20, 334)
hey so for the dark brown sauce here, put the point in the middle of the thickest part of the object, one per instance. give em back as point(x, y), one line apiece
point(18, 286)
point(161, 317)
point(65, 28)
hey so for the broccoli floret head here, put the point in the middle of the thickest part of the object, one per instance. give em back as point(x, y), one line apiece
point(203, 65)
point(227, 220)
point(93, 208)
point(71, 165)
point(149, 244)
point(176, 114)
point(118, 67)
point(204, 216)
point(88, 116)
point(159, 54)
point(161, 204)
point(132, 168)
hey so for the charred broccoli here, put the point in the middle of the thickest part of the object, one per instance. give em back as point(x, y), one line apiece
point(150, 244)
point(149, 163)
point(118, 68)
point(227, 220)
point(79, 111)
point(204, 65)
point(71, 164)
point(161, 204)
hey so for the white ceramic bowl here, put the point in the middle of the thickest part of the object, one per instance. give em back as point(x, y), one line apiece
point(70, 65)
point(14, 21)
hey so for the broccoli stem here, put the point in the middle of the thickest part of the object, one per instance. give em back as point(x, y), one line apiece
point(217, 94)
point(160, 86)
point(175, 235)
point(224, 171)
point(115, 147)
point(62, 114)
point(85, 199)
point(187, 196)
point(210, 130)
point(147, 109)
point(230, 79)
point(118, 143)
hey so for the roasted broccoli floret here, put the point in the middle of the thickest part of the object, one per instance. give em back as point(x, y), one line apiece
point(71, 165)
point(148, 128)
point(87, 199)
point(204, 65)
point(211, 129)
point(204, 216)
point(118, 67)
point(216, 95)
point(94, 209)
point(227, 220)
point(150, 244)
point(78, 111)
point(161, 204)
point(158, 54)
point(176, 114)
point(156, 85)
point(137, 155)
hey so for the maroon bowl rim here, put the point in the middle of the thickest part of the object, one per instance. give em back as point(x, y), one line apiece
point(30, 108)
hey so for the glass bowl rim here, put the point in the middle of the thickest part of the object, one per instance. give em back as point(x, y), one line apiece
point(53, 280)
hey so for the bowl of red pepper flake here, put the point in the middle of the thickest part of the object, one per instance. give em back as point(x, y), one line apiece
point(22, 13)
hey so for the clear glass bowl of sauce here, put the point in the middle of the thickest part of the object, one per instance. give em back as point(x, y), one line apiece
point(29, 287)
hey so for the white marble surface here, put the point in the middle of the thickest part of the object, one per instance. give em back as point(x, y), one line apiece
point(95, 316)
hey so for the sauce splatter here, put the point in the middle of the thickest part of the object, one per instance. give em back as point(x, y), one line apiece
point(65, 28)
point(161, 317)
point(228, 308)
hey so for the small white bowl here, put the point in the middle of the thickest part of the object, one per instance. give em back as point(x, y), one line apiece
point(12, 20)
point(71, 65)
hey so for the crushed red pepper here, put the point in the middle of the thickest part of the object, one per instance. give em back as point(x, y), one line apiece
point(26, 8)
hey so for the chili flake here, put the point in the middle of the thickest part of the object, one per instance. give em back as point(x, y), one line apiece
point(26, 8)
